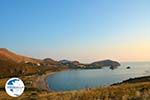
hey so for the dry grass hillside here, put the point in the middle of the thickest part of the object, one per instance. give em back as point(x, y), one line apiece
point(5, 54)
point(140, 91)
point(12, 64)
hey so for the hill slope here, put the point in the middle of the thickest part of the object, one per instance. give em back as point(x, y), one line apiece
point(12, 64)
point(5, 54)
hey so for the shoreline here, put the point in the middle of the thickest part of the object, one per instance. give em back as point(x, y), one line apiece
point(134, 80)
point(41, 81)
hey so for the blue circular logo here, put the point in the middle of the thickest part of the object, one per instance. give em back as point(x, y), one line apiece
point(14, 87)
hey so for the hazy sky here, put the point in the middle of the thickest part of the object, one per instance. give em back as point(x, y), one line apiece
point(85, 30)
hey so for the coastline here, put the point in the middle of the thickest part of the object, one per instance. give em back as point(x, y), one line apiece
point(134, 80)
point(41, 81)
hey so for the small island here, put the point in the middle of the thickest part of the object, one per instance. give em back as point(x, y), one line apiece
point(128, 67)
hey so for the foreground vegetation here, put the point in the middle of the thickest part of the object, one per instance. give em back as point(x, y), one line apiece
point(136, 91)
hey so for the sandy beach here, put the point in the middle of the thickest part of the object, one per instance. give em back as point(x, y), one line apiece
point(41, 81)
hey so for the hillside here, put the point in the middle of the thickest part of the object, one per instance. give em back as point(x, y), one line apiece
point(5, 54)
point(12, 64)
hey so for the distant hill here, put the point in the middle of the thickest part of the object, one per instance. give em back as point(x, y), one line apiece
point(99, 64)
point(105, 63)
point(50, 61)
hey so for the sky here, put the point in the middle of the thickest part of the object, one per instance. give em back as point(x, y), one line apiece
point(84, 30)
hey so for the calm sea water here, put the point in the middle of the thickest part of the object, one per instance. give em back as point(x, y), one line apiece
point(79, 79)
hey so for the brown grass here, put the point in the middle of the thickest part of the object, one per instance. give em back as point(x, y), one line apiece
point(139, 91)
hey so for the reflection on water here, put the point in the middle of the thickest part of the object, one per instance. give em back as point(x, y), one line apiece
point(78, 79)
